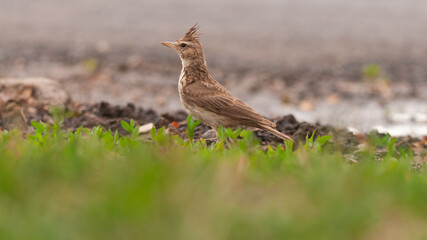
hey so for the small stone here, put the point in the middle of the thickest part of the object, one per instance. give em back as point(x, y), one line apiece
point(160, 101)
point(103, 46)
point(45, 91)
point(333, 98)
point(420, 117)
point(26, 93)
point(32, 110)
point(146, 128)
point(285, 99)
point(209, 134)
point(306, 105)
point(134, 61)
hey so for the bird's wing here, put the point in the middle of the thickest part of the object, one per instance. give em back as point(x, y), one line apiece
point(215, 98)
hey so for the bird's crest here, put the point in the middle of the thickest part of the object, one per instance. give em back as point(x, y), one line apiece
point(192, 33)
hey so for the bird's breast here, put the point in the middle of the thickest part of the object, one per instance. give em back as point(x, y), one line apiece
point(181, 84)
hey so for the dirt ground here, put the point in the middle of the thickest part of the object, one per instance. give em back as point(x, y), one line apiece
point(304, 58)
point(23, 101)
point(28, 106)
point(333, 95)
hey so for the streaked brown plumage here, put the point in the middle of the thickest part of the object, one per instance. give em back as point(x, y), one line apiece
point(207, 99)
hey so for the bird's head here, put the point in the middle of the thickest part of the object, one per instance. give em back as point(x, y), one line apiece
point(188, 47)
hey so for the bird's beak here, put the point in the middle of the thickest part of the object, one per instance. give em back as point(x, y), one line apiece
point(169, 44)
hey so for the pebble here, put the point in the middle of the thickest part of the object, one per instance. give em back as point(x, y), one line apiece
point(209, 134)
point(146, 128)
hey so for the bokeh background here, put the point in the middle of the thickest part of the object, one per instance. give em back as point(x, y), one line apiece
point(358, 64)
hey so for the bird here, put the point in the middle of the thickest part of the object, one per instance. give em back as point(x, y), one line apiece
point(205, 98)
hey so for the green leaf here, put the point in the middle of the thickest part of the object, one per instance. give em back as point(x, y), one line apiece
point(289, 145)
point(135, 132)
point(309, 141)
point(189, 120)
point(116, 136)
point(391, 145)
point(220, 132)
point(371, 71)
point(126, 126)
point(191, 125)
point(39, 127)
point(323, 140)
point(153, 133)
point(91, 64)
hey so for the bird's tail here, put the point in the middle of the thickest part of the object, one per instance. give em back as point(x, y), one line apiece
point(276, 133)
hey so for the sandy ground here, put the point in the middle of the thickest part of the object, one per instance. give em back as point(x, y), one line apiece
point(300, 57)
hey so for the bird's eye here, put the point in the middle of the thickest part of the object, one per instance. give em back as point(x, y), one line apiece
point(183, 45)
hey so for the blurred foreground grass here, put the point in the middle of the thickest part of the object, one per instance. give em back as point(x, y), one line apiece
point(93, 184)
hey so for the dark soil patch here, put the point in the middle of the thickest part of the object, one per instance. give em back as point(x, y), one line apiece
point(109, 116)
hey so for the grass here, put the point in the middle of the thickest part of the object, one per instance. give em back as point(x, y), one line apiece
point(94, 184)
point(371, 71)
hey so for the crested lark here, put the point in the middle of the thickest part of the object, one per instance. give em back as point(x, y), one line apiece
point(207, 99)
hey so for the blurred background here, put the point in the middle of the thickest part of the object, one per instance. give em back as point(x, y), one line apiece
point(357, 64)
